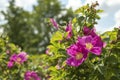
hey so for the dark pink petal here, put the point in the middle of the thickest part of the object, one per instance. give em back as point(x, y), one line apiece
point(73, 62)
point(85, 39)
point(88, 39)
point(89, 31)
point(13, 57)
point(81, 41)
point(72, 50)
point(97, 42)
point(96, 50)
point(85, 53)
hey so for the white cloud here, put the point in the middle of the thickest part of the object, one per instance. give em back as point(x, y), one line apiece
point(117, 16)
point(74, 4)
point(117, 19)
point(26, 4)
point(113, 2)
point(3, 4)
point(103, 15)
point(1, 17)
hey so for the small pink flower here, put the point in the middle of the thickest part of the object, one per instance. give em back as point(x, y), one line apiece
point(21, 57)
point(77, 55)
point(31, 75)
point(18, 58)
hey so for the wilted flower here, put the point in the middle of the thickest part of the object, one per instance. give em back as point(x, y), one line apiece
point(69, 30)
point(87, 31)
point(77, 55)
point(93, 45)
point(31, 75)
point(54, 23)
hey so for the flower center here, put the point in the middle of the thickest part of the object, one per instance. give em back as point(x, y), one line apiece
point(79, 56)
point(31, 78)
point(18, 59)
point(89, 46)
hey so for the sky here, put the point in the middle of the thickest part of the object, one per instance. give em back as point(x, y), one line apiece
point(110, 18)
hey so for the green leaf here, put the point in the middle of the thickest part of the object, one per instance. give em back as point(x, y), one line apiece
point(74, 20)
point(113, 36)
point(99, 11)
point(111, 60)
point(57, 37)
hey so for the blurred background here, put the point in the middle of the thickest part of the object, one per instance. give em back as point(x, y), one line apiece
point(25, 21)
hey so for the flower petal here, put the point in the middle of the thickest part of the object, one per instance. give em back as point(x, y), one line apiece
point(73, 62)
point(96, 50)
point(89, 31)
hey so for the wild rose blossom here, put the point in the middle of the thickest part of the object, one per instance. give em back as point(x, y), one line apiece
point(54, 23)
point(69, 30)
point(21, 57)
point(31, 75)
point(91, 44)
point(77, 55)
point(18, 58)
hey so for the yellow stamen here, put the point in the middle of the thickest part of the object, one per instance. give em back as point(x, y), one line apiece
point(79, 56)
point(31, 78)
point(89, 46)
point(18, 59)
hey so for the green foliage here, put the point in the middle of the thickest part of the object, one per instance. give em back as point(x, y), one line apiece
point(103, 67)
point(52, 65)
point(18, 70)
point(87, 15)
